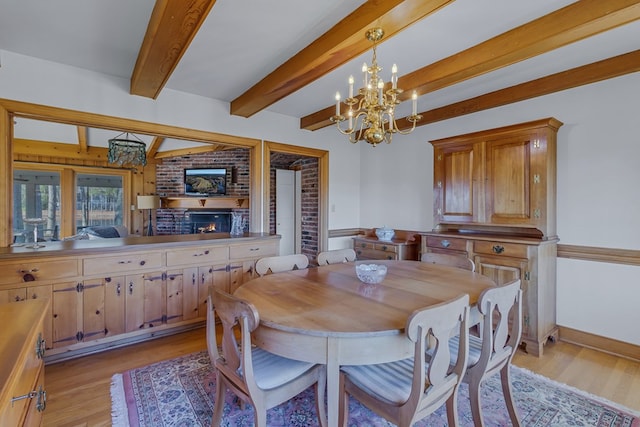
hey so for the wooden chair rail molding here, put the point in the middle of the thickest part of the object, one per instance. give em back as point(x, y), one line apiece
point(591, 253)
point(585, 253)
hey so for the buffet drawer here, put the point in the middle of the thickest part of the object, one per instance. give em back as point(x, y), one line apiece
point(202, 255)
point(447, 243)
point(114, 265)
point(254, 250)
point(367, 246)
point(374, 254)
point(514, 250)
point(37, 270)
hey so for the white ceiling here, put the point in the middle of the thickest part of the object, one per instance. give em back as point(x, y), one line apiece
point(242, 41)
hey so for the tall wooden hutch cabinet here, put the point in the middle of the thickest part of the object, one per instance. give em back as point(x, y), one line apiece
point(495, 202)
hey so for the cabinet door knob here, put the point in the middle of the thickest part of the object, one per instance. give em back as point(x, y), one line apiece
point(498, 249)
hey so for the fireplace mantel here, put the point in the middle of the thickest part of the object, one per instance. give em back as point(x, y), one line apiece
point(204, 202)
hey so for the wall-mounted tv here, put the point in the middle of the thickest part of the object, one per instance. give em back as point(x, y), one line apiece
point(205, 182)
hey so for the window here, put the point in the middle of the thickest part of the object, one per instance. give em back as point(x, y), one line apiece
point(60, 201)
point(36, 204)
point(99, 200)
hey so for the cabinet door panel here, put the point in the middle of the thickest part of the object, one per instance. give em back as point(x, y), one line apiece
point(190, 293)
point(114, 311)
point(93, 323)
point(134, 302)
point(454, 184)
point(504, 270)
point(206, 279)
point(66, 303)
point(509, 181)
point(155, 295)
point(174, 296)
point(240, 273)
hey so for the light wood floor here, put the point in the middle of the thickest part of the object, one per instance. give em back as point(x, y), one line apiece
point(78, 390)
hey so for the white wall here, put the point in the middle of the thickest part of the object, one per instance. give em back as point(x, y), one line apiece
point(598, 176)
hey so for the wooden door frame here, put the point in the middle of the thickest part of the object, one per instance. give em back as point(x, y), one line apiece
point(323, 184)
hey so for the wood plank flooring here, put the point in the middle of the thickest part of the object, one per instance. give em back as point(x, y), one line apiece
point(78, 390)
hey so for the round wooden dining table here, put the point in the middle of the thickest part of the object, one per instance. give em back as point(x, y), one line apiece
point(326, 315)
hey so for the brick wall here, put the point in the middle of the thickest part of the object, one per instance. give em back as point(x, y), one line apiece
point(170, 183)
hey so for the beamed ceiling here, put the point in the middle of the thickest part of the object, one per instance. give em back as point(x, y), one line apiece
point(290, 57)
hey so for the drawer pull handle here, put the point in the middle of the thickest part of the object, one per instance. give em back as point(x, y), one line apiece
point(202, 254)
point(445, 243)
point(385, 247)
point(40, 346)
point(118, 289)
point(498, 249)
point(33, 270)
point(254, 249)
point(124, 262)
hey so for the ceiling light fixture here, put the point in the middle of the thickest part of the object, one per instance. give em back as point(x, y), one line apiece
point(374, 117)
point(126, 151)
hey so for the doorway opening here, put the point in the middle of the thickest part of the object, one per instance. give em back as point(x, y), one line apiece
point(305, 231)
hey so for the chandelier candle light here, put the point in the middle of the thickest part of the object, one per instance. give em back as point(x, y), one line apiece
point(374, 117)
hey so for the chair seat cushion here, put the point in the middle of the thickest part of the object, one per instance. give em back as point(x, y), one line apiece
point(475, 348)
point(390, 382)
point(271, 370)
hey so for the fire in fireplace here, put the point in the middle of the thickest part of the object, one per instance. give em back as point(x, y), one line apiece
point(210, 222)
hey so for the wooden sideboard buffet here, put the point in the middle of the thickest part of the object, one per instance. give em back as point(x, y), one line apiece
point(495, 202)
point(111, 292)
point(404, 246)
point(22, 393)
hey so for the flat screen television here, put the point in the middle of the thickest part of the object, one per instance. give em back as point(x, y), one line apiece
point(205, 181)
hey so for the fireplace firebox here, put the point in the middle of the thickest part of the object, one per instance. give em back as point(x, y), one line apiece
point(209, 221)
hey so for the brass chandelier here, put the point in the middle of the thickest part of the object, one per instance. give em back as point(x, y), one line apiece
point(373, 110)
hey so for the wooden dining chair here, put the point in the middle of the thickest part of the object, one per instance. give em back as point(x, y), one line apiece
point(336, 256)
point(408, 390)
point(492, 352)
point(457, 261)
point(277, 264)
point(257, 376)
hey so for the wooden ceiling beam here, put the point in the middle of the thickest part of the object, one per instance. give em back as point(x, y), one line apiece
point(575, 77)
point(172, 26)
point(82, 138)
point(337, 46)
point(155, 145)
point(577, 21)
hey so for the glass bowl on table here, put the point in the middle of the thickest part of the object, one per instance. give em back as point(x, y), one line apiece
point(371, 273)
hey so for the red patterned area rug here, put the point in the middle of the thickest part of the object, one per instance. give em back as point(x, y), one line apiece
point(180, 392)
